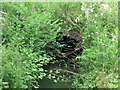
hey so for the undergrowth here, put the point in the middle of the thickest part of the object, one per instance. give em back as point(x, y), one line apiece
point(28, 27)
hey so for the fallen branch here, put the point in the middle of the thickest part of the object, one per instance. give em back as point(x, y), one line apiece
point(64, 70)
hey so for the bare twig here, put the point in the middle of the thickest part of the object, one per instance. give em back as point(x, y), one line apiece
point(47, 42)
point(68, 18)
point(64, 70)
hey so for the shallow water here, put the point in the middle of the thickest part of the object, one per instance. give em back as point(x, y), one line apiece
point(47, 83)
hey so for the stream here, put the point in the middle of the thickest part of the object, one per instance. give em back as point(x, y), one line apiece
point(47, 83)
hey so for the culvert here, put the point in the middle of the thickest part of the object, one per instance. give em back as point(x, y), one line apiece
point(66, 46)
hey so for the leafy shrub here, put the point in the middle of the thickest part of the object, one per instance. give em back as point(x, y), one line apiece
point(28, 27)
point(25, 34)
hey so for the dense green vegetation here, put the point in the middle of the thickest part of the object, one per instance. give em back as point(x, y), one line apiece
point(27, 27)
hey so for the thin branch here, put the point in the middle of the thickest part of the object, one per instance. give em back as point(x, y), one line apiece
point(68, 18)
point(64, 70)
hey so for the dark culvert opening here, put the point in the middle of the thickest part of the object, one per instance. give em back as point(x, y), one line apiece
point(64, 48)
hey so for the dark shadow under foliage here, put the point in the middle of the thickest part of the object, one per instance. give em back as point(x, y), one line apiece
point(63, 49)
point(45, 41)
